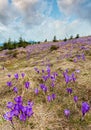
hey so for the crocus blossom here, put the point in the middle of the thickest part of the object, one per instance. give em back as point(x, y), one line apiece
point(75, 99)
point(85, 108)
point(27, 84)
point(67, 113)
point(16, 76)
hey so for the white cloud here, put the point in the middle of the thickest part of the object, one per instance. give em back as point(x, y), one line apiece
point(79, 8)
point(59, 28)
point(31, 19)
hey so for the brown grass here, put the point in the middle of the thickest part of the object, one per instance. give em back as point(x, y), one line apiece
point(48, 116)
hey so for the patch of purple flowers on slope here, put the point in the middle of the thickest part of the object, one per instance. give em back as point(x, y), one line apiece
point(17, 109)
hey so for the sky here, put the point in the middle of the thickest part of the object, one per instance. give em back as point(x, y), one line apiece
point(42, 19)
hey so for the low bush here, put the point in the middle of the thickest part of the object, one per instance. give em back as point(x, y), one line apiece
point(54, 47)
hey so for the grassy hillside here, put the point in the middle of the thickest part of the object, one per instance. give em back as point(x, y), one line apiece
point(43, 64)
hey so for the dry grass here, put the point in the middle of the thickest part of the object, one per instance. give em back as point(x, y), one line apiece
point(48, 116)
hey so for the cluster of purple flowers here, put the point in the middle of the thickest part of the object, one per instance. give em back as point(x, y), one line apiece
point(51, 97)
point(17, 109)
point(23, 112)
point(69, 78)
point(45, 77)
point(43, 87)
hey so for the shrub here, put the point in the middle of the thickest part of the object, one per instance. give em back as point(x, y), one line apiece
point(71, 37)
point(54, 47)
point(12, 53)
point(65, 39)
point(77, 36)
point(55, 39)
point(88, 52)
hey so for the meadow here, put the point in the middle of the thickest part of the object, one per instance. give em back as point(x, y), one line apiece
point(46, 86)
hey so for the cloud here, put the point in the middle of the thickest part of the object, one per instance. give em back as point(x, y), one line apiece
point(79, 8)
point(60, 28)
point(7, 12)
point(32, 19)
point(18, 16)
point(32, 12)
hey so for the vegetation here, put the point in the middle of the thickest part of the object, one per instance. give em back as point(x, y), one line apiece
point(55, 39)
point(50, 90)
point(71, 37)
point(77, 36)
point(65, 39)
point(45, 40)
point(13, 44)
point(23, 43)
point(54, 47)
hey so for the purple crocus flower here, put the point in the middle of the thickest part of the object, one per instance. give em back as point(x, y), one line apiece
point(48, 70)
point(22, 117)
point(52, 77)
point(15, 89)
point(29, 113)
point(49, 98)
point(45, 78)
point(15, 112)
point(85, 108)
point(75, 99)
point(27, 84)
point(16, 76)
point(18, 99)
point(9, 83)
point(36, 91)
point(66, 76)
point(53, 96)
point(30, 104)
point(67, 113)
point(22, 75)
point(10, 105)
point(69, 90)
point(8, 116)
point(73, 77)
point(43, 87)
point(52, 84)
